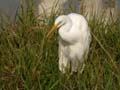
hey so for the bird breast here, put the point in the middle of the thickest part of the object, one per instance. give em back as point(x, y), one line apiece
point(73, 52)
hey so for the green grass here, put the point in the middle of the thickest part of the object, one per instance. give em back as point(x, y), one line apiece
point(28, 61)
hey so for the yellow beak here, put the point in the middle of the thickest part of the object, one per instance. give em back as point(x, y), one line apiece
point(54, 28)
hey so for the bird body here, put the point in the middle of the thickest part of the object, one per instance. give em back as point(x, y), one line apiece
point(74, 41)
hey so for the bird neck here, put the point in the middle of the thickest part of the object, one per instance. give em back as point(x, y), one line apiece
point(64, 31)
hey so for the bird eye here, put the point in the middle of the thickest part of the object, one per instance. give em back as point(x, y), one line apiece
point(59, 22)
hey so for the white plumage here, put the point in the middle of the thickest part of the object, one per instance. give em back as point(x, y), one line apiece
point(74, 41)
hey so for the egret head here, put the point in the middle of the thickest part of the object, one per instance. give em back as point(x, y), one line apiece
point(60, 21)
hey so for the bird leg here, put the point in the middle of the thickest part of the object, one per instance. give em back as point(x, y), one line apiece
point(82, 68)
point(74, 66)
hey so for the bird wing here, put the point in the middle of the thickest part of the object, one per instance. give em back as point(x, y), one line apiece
point(79, 28)
point(83, 31)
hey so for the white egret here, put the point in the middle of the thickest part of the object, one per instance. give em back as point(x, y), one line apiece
point(74, 41)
